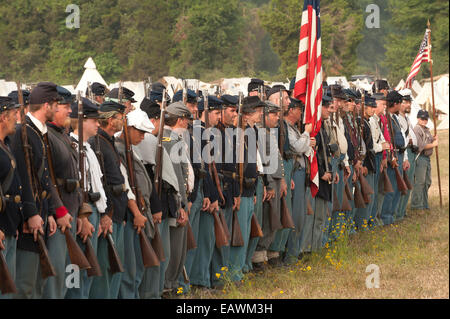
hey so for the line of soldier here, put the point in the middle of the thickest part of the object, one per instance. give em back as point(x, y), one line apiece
point(133, 190)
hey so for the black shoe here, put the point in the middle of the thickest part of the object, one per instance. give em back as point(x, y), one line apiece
point(258, 266)
point(275, 262)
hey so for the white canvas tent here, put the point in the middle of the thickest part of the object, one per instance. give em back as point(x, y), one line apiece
point(444, 124)
point(8, 86)
point(424, 98)
point(400, 85)
point(341, 80)
point(90, 75)
point(416, 88)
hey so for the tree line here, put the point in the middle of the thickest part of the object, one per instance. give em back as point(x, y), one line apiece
point(134, 39)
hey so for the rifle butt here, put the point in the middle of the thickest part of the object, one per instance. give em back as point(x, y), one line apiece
point(149, 257)
point(221, 238)
point(157, 245)
point(76, 255)
point(47, 268)
point(115, 264)
point(387, 185)
point(236, 237)
point(348, 191)
point(336, 206)
point(225, 226)
point(286, 218)
point(400, 182)
point(274, 218)
point(7, 285)
point(346, 207)
point(255, 230)
point(91, 256)
point(407, 181)
point(191, 243)
point(365, 186)
point(358, 197)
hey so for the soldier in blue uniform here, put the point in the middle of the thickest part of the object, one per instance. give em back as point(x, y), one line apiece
point(63, 162)
point(107, 286)
point(10, 187)
point(201, 268)
point(277, 248)
point(40, 213)
point(251, 114)
point(227, 170)
point(96, 197)
point(363, 215)
point(324, 151)
point(391, 200)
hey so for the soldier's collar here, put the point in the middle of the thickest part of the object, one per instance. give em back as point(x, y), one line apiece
point(38, 124)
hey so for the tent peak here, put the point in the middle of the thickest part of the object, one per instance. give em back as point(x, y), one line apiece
point(90, 64)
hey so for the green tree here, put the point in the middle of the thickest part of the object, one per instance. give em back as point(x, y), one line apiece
point(409, 18)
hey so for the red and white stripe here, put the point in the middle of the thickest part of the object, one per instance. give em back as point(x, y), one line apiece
point(422, 56)
point(308, 85)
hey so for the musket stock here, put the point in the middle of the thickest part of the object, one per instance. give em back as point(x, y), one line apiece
point(255, 230)
point(115, 264)
point(7, 285)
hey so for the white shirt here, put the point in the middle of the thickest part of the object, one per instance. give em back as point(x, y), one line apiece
point(405, 123)
point(377, 133)
point(41, 126)
point(342, 141)
point(95, 173)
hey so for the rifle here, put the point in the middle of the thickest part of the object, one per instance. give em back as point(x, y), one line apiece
point(86, 210)
point(149, 257)
point(159, 150)
point(400, 182)
point(76, 255)
point(286, 217)
point(221, 237)
point(47, 268)
point(366, 189)
point(7, 285)
point(190, 239)
point(115, 264)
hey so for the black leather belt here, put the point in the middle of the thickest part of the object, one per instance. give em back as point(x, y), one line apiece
point(116, 190)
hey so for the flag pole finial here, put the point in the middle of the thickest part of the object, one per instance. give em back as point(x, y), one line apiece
point(428, 23)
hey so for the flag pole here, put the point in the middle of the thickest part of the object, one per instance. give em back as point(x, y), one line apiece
point(434, 112)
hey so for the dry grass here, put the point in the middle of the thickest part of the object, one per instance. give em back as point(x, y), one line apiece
point(413, 257)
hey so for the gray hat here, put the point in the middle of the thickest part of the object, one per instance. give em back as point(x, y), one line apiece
point(179, 109)
point(272, 108)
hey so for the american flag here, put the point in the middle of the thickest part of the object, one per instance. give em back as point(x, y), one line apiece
point(422, 56)
point(308, 84)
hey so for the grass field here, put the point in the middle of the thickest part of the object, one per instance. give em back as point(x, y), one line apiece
point(412, 256)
